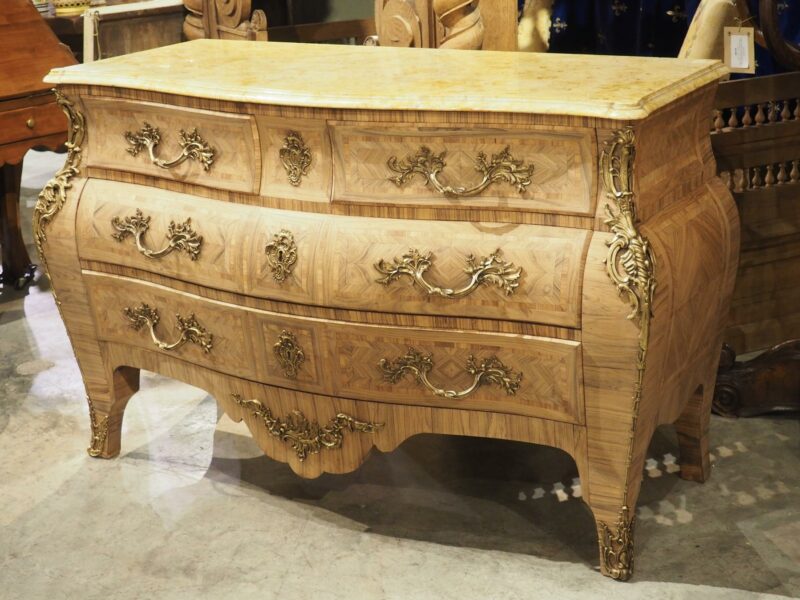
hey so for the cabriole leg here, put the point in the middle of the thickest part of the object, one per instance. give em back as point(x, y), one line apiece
point(692, 427)
point(105, 415)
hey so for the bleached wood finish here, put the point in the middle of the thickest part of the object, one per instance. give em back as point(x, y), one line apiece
point(232, 138)
point(595, 383)
point(562, 178)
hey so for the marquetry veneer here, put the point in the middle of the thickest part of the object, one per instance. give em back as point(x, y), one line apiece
point(358, 245)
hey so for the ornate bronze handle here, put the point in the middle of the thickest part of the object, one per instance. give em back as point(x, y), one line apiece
point(179, 237)
point(190, 330)
point(503, 167)
point(192, 147)
point(486, 271)
point(490, 371)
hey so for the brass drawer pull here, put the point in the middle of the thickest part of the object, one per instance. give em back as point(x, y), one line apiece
point(192, 147)
point(190, 330)
point(179, 237)
point(489, 371)
point(295, 156)
point(491, 270)
point(503, 167)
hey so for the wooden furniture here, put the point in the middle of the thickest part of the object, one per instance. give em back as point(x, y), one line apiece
point(236, 19)
point(224, 20)
point(756, 140)
point(29, 118)
point(345, 259)
point(454, 24)
point(131, 27)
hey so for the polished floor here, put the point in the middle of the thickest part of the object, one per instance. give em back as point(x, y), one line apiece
point(192, 509)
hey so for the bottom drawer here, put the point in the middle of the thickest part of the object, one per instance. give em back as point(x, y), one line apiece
point(513, 374)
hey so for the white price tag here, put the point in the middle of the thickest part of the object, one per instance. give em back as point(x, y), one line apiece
point(740, 49)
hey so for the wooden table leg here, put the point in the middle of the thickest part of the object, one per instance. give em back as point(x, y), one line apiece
point(17, 266)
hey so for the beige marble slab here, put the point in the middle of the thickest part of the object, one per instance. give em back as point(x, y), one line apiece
point(328, 76)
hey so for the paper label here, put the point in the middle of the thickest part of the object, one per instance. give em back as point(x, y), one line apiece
point(740, 49)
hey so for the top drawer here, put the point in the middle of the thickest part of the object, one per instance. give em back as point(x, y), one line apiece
point(544, 170)
point(213, 149)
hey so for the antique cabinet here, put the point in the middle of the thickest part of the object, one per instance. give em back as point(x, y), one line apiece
point(358, 245)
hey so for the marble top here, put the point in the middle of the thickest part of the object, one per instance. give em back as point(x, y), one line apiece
point(333, 76)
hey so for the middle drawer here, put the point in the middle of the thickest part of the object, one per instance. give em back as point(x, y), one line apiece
point(516, 374)
point(528, 273)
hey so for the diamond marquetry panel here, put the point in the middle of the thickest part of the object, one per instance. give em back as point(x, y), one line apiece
point(562, 180)
point(550, 260)
point(550, 386)
point(232, 137)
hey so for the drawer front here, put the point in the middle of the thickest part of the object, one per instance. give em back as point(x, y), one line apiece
point(218, 150)
point(201, 332)
point(544, 170)
point(216, 244)
point(494, 271)
point(36, 121)
point(297, 159)
point(525, 375)
point(513, 374)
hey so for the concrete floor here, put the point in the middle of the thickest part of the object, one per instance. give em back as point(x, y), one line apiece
point(192, 509)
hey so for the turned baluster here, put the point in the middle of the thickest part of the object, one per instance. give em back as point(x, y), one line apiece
point(769, 180)
point(782, 175)
point(738, 180)
point(797, 109)
point(794, 176)
point(733, 120)
point(786, 113)
point(747, 118)
point(772, 112)
point(756, 181)
point(761, 118)
point(718, 123)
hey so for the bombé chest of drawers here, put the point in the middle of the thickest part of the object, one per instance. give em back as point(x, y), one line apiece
point(350, 246)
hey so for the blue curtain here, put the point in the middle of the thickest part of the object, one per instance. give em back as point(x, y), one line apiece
point(644, 27)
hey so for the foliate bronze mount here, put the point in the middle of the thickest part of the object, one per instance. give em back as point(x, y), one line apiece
point(490, 371)
point(289, 354)
point(631, 267)
point(52, 198)
point(295, 156)
point(189, 329)
point(281, 254)
point(180, 237)
point(616, 546)
point(502, 167)
point(491, 270)
point(99, 432)
point(304, 436)
point(630, 262)
point(193, 147)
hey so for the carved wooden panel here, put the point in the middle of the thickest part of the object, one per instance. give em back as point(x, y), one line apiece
point(562, 179)
point(548, 262)
point(233, 140)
